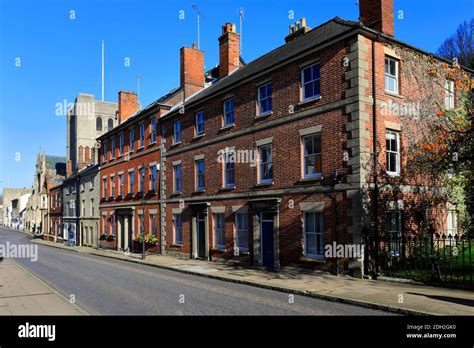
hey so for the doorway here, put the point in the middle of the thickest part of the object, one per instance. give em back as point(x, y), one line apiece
point(201, 235)
point(267, 238)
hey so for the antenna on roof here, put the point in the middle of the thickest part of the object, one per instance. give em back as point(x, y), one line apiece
point(102, 70)
point(199, 15)
point(139, 79)
point(241, 15)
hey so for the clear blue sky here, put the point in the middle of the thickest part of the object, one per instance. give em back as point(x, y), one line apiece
point(60, 57)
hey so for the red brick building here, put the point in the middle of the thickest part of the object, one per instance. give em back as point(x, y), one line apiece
point(273, 160)
point(54, 216)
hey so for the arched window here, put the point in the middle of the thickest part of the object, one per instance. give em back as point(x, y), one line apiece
point(98, 124)
point(110, 124)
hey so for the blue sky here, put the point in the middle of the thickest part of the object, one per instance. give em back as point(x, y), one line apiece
point(60, 56)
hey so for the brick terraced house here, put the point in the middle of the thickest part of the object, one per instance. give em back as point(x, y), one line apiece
point(54, 215)
point(268, 162)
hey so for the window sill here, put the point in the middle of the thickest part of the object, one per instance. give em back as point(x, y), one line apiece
point(176, 193)
point(141, 148)
point(263, 115)
point(198, 192)
point(393, 175)
point(177, 245)
point(223, 128)
point(198, 136)
point(227, 188)
point(309, 100)
point(152, 143)
point(260, 184)
point(176, 144)
point(319, 178)
point(221, 249)
point(244, 252)
point(315, 259)
point(395, 95)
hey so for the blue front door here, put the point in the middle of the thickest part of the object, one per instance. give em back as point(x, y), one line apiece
point(267, 239)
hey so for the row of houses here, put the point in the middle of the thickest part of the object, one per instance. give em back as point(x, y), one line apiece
point(265, 163)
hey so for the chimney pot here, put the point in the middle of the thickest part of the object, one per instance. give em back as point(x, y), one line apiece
point(303, 22)
point(127, 105)
point(229, 50)
point(378, 15)
point(191, 70)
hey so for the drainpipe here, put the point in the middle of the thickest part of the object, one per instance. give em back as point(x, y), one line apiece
point(374, 150)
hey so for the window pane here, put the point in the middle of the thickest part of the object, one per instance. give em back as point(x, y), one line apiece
point(316, 72)
point(307, 76)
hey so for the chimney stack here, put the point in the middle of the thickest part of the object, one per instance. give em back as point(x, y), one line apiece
point(229, 50)
point(297, 29)
point(127, 105)
point(378, 15)
point(191, 70)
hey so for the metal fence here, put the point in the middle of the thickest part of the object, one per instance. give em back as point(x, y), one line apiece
point(436, 259)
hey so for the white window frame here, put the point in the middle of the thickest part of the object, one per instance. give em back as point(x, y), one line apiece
point(153, 131)
point(175, 178)
point(225, 170)
point(197, 123)
point(197, 175)
point(239, 230)
point(260, 100)
point(316, 155)
point(449, 94)
point(131, 181)
point(390, 76)
point(131, 139)
point(389, 132)
point(142, 134)
point(219, 230)
point(153, 224)
point(227, 112)
point(152, 183)
point(260, 164)
point(121, 143)
point(112, 147)
point(319, 221)
point(176, 132)
point(141, 183)
point(121, 183)
point(177, 228)
point(314, 80)
point(394, 248)
point(452, 223)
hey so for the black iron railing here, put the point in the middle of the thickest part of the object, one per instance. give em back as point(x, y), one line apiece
point(440, 259)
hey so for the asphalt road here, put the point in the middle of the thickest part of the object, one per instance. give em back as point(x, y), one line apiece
point(114, 287)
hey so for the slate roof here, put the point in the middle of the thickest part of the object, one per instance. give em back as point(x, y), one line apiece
point(313, 38)
point(56, 162)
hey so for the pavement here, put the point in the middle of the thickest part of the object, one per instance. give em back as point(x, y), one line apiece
point(403, 298)
point(109, 286)
point(22, 293)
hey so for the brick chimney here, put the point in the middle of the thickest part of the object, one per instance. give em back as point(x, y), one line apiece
point(68, 168)
point(229, 50)
point(191, 70)
point(298, 29)
point(378, 15)
point(127, 105)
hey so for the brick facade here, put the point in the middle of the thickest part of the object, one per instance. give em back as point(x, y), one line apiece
point(322, 148)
